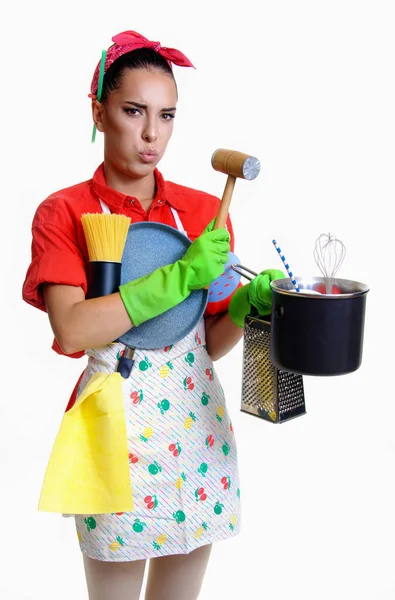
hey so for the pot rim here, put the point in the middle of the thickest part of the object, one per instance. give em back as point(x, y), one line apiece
point(285, 286)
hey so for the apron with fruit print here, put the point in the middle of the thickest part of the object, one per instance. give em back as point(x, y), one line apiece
point(182, 454)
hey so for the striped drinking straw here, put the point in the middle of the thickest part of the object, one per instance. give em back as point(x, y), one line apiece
point(286, 265)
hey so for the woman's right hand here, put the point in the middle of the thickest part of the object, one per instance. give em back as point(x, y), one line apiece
point(164, 288)
point(206, 257)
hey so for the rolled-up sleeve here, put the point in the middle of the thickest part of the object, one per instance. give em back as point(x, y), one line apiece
point(56, 258)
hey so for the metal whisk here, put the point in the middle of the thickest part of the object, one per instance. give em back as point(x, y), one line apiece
point(329, 253)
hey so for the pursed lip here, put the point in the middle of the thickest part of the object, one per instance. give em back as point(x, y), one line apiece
point(148, 155)
point(148, 152)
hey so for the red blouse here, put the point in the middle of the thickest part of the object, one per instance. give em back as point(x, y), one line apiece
point(59, 251)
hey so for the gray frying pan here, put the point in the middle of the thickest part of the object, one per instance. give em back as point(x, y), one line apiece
point(150, 246)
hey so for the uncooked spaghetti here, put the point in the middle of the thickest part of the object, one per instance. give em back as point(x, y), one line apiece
point(105, 235)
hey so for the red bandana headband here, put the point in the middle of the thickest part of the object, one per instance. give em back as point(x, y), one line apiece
point(126, 42)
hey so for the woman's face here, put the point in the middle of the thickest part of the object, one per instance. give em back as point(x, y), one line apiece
point(137, 121)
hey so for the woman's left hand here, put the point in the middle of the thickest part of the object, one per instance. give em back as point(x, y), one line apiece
point(257, 293)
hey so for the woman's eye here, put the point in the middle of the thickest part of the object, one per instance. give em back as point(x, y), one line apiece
point(168, 116)
point(131, 111)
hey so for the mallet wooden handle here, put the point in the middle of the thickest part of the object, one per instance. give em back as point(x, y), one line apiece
point(223, 210)
point(222, 215)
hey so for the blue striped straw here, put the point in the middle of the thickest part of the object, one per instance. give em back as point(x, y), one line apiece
point(286, 265)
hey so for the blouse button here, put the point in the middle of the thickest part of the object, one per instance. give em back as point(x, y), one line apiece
point(160, 201)
point(132, 201)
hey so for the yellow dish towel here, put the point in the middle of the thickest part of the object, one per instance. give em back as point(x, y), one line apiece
point(88, 470)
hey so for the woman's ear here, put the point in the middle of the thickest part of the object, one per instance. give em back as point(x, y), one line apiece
point(98, 115)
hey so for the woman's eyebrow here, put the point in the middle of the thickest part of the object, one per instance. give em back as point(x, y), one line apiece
point(138, 105)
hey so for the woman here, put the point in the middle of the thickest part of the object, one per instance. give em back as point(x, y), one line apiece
point(183, 457)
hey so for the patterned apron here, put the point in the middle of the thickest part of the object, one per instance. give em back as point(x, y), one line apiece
point(182, 454)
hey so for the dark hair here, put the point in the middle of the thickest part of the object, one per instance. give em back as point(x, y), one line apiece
point(142, 58)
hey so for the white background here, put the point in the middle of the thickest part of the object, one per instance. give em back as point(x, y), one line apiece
point(308, 88)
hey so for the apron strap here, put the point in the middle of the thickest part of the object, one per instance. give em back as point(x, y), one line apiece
point(104, 207)
point(178, 221)
point(176, 216)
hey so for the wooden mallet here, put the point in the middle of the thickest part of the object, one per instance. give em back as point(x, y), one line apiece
point(233, 164)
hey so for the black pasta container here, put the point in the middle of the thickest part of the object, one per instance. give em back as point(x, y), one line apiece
point(104, 278)
point(317, 334)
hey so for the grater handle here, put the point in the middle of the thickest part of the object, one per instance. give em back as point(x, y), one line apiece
point(243, 271)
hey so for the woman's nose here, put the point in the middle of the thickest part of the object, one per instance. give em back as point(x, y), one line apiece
point(149, 132)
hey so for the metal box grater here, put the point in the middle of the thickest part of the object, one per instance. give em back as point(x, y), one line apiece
point(267, 392)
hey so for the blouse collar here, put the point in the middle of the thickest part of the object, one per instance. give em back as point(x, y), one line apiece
point(117, 200)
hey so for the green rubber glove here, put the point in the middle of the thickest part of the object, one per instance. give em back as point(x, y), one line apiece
point(164, 288)
point(206, 256)
point(256, 293)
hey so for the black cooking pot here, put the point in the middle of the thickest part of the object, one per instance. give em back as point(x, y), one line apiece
point(317, 334)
